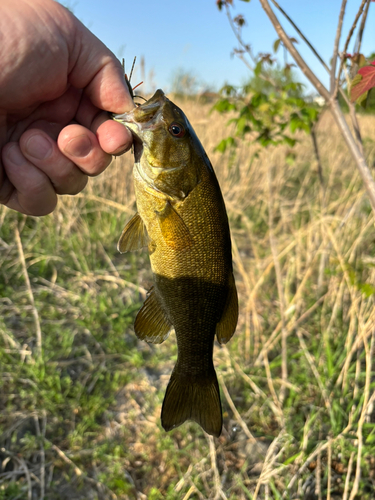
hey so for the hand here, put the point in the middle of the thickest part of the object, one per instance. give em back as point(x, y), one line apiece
point(56, 78)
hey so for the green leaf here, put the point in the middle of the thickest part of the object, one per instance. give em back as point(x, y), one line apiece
point(225, 143)
point(276, 45)
point(224, 105)
point(288, 140)
point(311, 113)
point(294, 123)
point(258, 68)
point(291, 459)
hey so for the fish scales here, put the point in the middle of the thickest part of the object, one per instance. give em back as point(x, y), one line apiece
point(182, 217)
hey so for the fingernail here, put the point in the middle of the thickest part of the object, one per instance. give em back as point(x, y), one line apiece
point(15, 156)
point(121, 150)
point(79, 146)
point(38, 147)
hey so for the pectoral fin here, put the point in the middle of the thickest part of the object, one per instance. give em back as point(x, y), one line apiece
point(228, 322)
point(134, 235)
point(152, 323)
point(173, 228)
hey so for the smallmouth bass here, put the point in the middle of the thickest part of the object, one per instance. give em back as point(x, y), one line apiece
point(182, 219)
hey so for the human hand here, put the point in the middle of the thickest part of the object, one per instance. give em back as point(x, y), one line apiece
point(56, 78)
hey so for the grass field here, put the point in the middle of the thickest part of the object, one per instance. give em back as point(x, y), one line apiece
point(80, 396)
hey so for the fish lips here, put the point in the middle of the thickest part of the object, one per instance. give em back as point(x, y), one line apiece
point(144, 117)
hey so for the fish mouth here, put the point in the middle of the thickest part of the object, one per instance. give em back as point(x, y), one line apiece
point(144, 116)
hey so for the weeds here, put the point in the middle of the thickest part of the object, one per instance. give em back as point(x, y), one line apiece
point(80, 395)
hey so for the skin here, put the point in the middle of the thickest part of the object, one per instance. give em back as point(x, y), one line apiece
point(56, 80)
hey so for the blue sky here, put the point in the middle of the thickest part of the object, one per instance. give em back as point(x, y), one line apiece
point(194, 36)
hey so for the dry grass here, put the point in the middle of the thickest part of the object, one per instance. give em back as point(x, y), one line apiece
point(81, 420)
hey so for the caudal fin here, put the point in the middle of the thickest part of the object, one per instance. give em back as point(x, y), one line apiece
point(186, 399)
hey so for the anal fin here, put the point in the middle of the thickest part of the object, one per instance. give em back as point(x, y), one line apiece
point(134, 235)
point(228, 322)
point(152, 323)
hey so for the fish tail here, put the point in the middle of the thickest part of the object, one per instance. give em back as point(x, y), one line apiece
point(195, 399)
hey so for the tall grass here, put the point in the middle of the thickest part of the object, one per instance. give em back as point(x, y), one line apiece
point(80, 395)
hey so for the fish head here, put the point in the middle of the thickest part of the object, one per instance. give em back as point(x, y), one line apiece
point(166, 149)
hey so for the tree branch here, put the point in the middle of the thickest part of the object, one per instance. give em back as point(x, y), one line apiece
point(348, 38)
point(357, 46)
point(294, 52)
point(336, 47)
point(300, 34)
point(331, 101)
point(246, 48)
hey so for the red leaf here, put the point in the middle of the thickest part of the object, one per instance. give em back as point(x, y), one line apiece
point(366, 83)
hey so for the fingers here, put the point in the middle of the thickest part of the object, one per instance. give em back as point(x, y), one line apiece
point(82, 147)
point(25, 188)
point(42, 151)
point(37, 168)
point(113, 137)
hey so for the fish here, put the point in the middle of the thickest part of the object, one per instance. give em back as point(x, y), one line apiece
point(182, 219)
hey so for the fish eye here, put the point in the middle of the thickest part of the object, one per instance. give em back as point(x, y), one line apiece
point(177, 130)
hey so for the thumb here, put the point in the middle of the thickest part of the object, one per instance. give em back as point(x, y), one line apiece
point(94, 68)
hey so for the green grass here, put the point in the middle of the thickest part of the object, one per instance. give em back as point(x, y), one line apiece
point(81, 419)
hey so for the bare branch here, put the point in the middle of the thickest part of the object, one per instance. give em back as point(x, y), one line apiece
point(237, 34)
point(300, 34)
point(246, 49)
point(294, 52)
point(331, 101)
point(354, 25)
point(358, 41)
point(336, 46)
point(344, 96)
point(355, 151)
point(348, 38)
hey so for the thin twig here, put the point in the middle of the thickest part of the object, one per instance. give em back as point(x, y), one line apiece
point(28, 478)
point(333, 104)
point(280, 290)
point(336, 46)
point(40, 436)
point(318, 476)
point(358, 42)
point(338, 88)
point(348, 474)
point(218, 490)
point(329, 469)
point(31, 295)
point(317, 155)
point(246, 48)
point(310, 360)
point(308, 43)
point(234, 410)
point(348, 38)
point(361, 421)
point(306, 70)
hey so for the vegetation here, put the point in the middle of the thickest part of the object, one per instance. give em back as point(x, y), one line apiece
point(80, 396)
